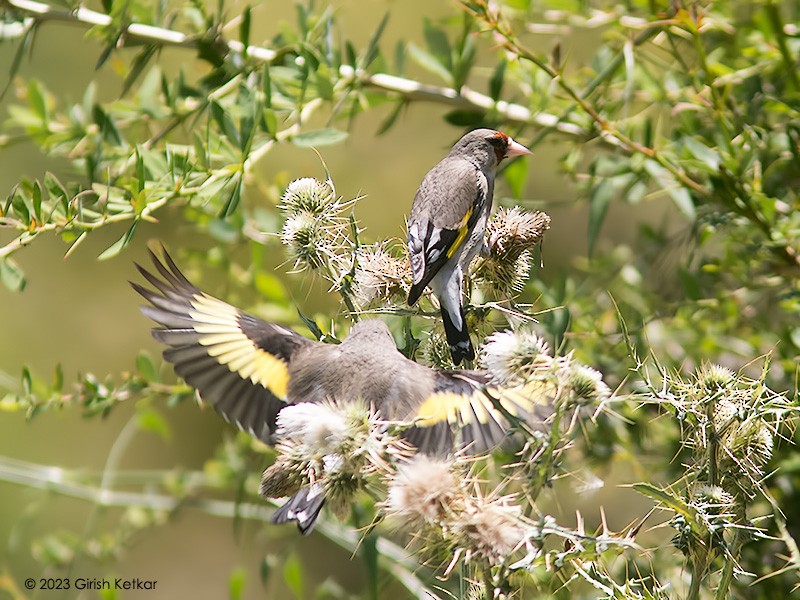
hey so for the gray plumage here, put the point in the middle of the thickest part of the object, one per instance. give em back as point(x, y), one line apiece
point(447, 223)
point(248, 370)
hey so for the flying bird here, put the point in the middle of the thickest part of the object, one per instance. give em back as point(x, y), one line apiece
point(249, 370)
point(447, 222)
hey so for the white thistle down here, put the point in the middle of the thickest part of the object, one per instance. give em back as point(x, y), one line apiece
point(339, 446)
point(318, 427)
point(423, 491)
point(315, 230)
point(586, 384)
point(514, 357)
point(380, 276)
point(308, 195)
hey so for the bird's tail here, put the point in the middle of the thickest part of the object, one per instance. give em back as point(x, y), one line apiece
point(302, 508)
point(458, 336)
point(415, 292)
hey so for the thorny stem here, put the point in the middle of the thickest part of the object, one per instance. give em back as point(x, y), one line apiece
point(605, 127)
point(63, 482)
point(611, 134)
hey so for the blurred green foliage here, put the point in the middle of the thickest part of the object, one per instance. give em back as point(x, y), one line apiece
point(690, 104)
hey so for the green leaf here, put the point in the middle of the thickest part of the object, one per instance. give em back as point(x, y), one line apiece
point(244, 28)
point(26, 381)
point(429, 62)
point(233, 199)
point(315, 329)
point(108, 128)
point(324, 84)
point(148, 419)
point(293, 576)
point(120, 244)
point(37, 100)
point(270, 287)
point(145, 367)
point(679, 194)
point(236, 582)
point(266, 87)
point(598, 207)
point(400, 57)
point(24, 46)
point(56, 190)
point(319, 137)
point(497, 80)
point(668, 499)
point(372, 48)
point(138, 66)
point(438, 44)
point(11, 275)
point(392, 118)
point(58, 378)
point(37, 200)
point(703, 153)
point(516, 174)
point(20, 205)
point(465, 117)
point(225, 123)
point(270, 121)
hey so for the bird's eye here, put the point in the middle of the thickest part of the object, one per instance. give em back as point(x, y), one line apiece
point(498, 141)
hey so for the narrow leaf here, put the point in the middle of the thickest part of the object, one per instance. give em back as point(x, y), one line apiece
point(120, 244)
point(319, 137)
point(497, 80)
point(429, 62)
point(598, 207)
point(438, 44)
point(225, 123)
point(11, 275)
point(679, 194)
point(372, 48)
point(244, 27)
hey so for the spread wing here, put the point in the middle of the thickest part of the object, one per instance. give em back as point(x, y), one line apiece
point(466, 411)
point(455, 195)
point(237, 362)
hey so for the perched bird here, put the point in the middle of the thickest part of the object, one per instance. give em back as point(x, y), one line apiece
point(447, 222)
point(249, 370)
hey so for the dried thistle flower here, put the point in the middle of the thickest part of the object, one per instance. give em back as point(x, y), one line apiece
point(586, 384)
point(491, 530)
point(301, 233)
point(340, 446)
point(424, 491)
point(319, 428)
point(513, 357)
point(379, 276)
point(314, 230)
point(512, 233)
point(308, 195)
point(712, 377)
point(434, 351)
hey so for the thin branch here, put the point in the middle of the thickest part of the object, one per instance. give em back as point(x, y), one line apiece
point(407, 88)
point(62, 481)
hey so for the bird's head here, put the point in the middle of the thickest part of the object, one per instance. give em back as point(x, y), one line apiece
point(488, 146)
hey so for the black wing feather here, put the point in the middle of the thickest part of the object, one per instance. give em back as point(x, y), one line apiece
point(237, 362)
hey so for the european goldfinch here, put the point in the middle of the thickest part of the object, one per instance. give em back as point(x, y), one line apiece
point(447, 223)
point(249, 370)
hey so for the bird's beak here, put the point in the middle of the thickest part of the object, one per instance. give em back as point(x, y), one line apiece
point(516, 149)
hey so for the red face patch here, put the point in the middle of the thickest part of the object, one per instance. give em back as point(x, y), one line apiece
point(500, 144)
